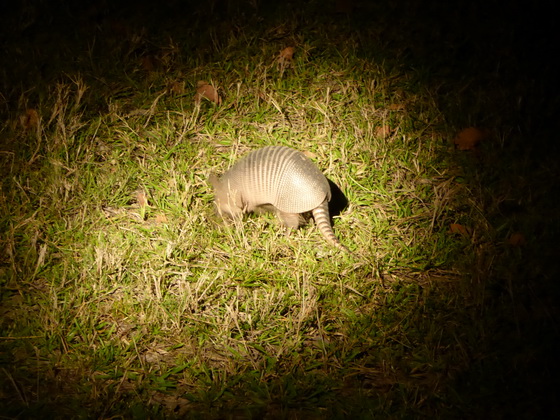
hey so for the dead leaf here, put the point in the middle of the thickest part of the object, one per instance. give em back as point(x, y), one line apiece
point(469, 138)
point(309, 154)
point(30, 120)
point(287, 53)
point(120, 29)
point(459, 229)
point(285, 58)
point(516, 239)
point(141, 198)
point(383, 131)
point(206, 91)
point(175, 404)
point(148, 63)
point(161, 218)
point(111, 211)
point(396, 107)
point(154, 356)
point(176, 87)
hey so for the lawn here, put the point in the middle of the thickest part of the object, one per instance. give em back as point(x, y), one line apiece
point(123, 293)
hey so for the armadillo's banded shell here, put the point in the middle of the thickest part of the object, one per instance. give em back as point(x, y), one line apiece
point(280, 176)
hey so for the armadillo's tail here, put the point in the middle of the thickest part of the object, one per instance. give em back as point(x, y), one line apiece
point(323, 222)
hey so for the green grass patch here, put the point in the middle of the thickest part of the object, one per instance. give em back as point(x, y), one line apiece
point(123, 294)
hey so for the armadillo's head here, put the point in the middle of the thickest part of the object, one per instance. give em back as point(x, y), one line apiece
point(228, 201)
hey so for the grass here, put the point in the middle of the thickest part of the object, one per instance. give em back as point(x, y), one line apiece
point(124, 295)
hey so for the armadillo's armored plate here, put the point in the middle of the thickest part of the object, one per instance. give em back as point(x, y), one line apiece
point(280, 176)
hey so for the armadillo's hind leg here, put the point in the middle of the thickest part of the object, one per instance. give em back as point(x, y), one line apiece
point(291, 220)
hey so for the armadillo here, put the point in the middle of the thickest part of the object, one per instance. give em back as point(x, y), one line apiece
point(278, 177)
